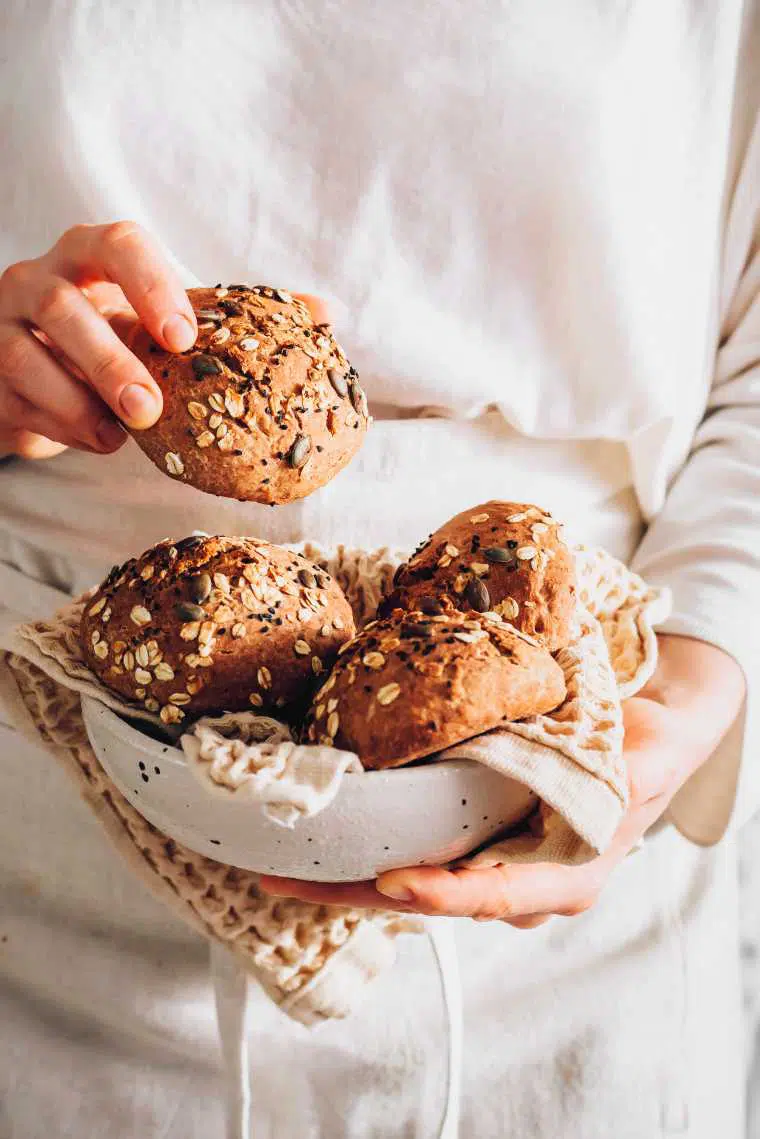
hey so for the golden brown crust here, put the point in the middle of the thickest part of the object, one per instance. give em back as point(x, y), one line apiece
point(209, 624)
point(264, 407)
point(507, 557)
point(409, 685)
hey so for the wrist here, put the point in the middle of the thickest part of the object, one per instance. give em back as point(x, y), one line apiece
point(699, 682)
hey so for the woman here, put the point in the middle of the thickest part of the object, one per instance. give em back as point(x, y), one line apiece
point(541, 224)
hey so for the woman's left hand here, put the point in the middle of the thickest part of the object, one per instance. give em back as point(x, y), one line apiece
point(671, 727)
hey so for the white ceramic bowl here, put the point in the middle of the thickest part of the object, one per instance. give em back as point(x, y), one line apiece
point(379, 820)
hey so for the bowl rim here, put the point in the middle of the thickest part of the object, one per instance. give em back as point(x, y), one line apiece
point(168, 751)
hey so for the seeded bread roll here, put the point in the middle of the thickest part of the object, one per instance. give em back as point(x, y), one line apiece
point(409, 685)
point(215, 624)
point(264, 407)
point(507, 557)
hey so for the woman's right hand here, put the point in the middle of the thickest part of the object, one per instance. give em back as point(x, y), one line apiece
point(66, 377)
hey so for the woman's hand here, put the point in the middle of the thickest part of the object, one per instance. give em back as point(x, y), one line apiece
point(671, 727)
point(66, 377)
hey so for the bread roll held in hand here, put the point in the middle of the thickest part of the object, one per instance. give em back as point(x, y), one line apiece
point(211, 624)
point(507, 557)
point(411, 684)
point(265, 406)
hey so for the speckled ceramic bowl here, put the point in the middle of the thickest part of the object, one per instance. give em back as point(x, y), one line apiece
point(379, 820)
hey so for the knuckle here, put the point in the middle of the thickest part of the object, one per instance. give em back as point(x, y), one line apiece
point(14, 277)
point(73, 235)
point(579, 906)
point(55, 303)
point(119, 232)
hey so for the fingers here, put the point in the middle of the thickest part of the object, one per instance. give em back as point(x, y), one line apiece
point(123, 253)
point(319, 308)
point(63, 313)
point(31, 373)
point(497, 893)
point(23, 422)
point(361, 895)
point(28, 446)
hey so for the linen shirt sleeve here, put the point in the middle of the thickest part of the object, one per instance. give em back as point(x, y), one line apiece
point(705, 543)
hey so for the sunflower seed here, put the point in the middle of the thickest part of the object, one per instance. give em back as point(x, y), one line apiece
point(388, 693)
point(206, 366)
point(249, 343)
point(164, 671)
point(333, 723)
point(525, 553)
point(302, 648)
point(210, 314)
point(97, 607)
point(307, 578)
point(373, 660)
point(477, 595)
point(338, 381)
point(299, 452)
point(187, 611)
point(174, 464)
point(205, 439)
point(139, 615)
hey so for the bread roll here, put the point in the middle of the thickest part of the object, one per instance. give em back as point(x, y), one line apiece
point(411, 684)
point(265, 406)
point(211, 624)
point(506, 557)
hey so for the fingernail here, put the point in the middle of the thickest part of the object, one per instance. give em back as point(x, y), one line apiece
point(398, 893)
point(139, 405)
point(109, 434)
point(178, 333)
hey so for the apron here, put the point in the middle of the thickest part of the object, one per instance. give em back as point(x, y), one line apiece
point(622, 1021)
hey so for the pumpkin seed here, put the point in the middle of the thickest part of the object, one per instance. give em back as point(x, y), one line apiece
point(199, 587)
point(299, 452)
point(338, 381)
point(206, 366)
point(477, 595)
point(187, 611)
point(499, 555)
point(358, 398)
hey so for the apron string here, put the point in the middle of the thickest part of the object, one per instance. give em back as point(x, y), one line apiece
point(231, 995)
point(441, 934)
